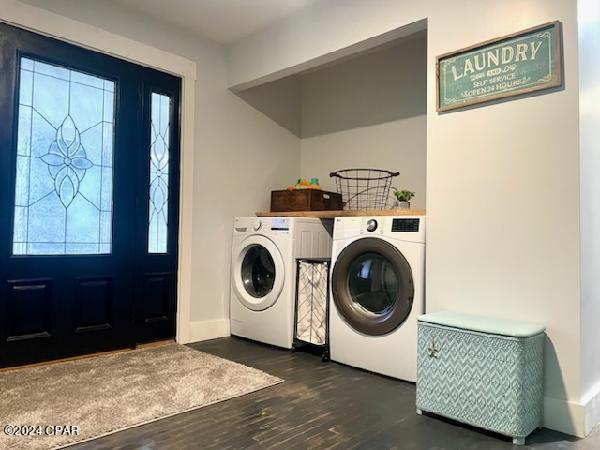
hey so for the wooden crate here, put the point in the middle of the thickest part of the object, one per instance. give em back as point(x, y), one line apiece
point(305, 200)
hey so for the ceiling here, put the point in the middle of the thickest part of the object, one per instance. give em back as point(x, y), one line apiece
point(223, 21)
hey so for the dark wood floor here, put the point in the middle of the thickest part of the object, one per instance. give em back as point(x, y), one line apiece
point(320, 405)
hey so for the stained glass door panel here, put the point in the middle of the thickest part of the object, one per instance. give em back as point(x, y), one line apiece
point(68, 137)
point(157, 237)
point(64, 168)
point(158, 221)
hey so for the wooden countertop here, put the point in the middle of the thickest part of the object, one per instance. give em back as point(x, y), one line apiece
point(334, 214)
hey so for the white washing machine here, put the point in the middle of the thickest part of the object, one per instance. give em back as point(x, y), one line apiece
point(263, 277)
point(377, 293)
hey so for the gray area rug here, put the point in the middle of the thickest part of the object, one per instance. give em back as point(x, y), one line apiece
point(108, 393)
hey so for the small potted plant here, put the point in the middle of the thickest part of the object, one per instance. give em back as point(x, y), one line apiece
point(403, 198)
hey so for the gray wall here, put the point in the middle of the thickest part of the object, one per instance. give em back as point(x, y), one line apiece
point(369, 112)
point(364, 111)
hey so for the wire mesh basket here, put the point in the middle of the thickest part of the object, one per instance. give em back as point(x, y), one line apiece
point(364, 188)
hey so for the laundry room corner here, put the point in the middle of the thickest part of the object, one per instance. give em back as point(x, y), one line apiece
point(488, 170)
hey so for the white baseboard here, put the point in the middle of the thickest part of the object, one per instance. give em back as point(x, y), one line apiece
point(577, 419)
point(209, 329)
point(565, 416)
point(591, 404)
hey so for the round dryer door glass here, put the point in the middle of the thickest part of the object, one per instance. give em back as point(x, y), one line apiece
point(373, 283)
point(372, 286)
point(258, 271)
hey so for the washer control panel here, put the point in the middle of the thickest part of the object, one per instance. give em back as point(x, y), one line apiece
point(280, 224)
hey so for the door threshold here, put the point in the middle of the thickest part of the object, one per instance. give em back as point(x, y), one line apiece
point(148, 345)
point(155, 344)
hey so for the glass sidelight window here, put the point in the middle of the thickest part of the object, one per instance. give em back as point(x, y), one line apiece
point(158, 223)
point(64, 173)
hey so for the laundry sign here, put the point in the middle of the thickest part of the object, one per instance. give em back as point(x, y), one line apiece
point(526, 61)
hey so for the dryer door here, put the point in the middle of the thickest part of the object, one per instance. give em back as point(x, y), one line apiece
point(258, 273)
point(372, 286)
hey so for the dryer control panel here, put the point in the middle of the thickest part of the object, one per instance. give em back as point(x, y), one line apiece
point(409, 225)
point(404, 228)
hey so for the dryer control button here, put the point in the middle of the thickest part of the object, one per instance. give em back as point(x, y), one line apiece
point(371, 225)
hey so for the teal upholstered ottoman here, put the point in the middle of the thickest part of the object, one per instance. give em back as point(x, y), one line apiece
point(484, 372)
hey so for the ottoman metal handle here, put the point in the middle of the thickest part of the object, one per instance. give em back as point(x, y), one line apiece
point(433, 349)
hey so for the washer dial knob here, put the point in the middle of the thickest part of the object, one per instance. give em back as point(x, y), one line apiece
point(371, 225)
point(257, 225)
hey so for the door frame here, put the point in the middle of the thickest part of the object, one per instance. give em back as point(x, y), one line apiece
point(88, 36)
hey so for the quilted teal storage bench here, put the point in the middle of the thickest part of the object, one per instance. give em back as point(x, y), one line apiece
point(483, 372)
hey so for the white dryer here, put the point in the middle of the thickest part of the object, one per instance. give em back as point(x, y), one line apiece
point(377, 293)
point(263, 276)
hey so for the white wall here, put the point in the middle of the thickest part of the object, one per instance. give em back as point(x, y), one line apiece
point(240, 154)
point(502, 178)
point(369, 111)
point(589, 134)
point(512, 247)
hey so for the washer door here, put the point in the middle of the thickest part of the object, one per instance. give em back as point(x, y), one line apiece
point(372, 286)
point(258, 273)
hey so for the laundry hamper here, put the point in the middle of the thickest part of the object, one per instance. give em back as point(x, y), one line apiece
point(484, 372)
point(311, 315)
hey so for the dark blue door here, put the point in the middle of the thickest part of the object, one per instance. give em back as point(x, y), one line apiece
point(89, 153)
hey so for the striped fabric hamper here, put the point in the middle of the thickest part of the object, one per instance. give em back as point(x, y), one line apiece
point(484, 372)
point(311, 315)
